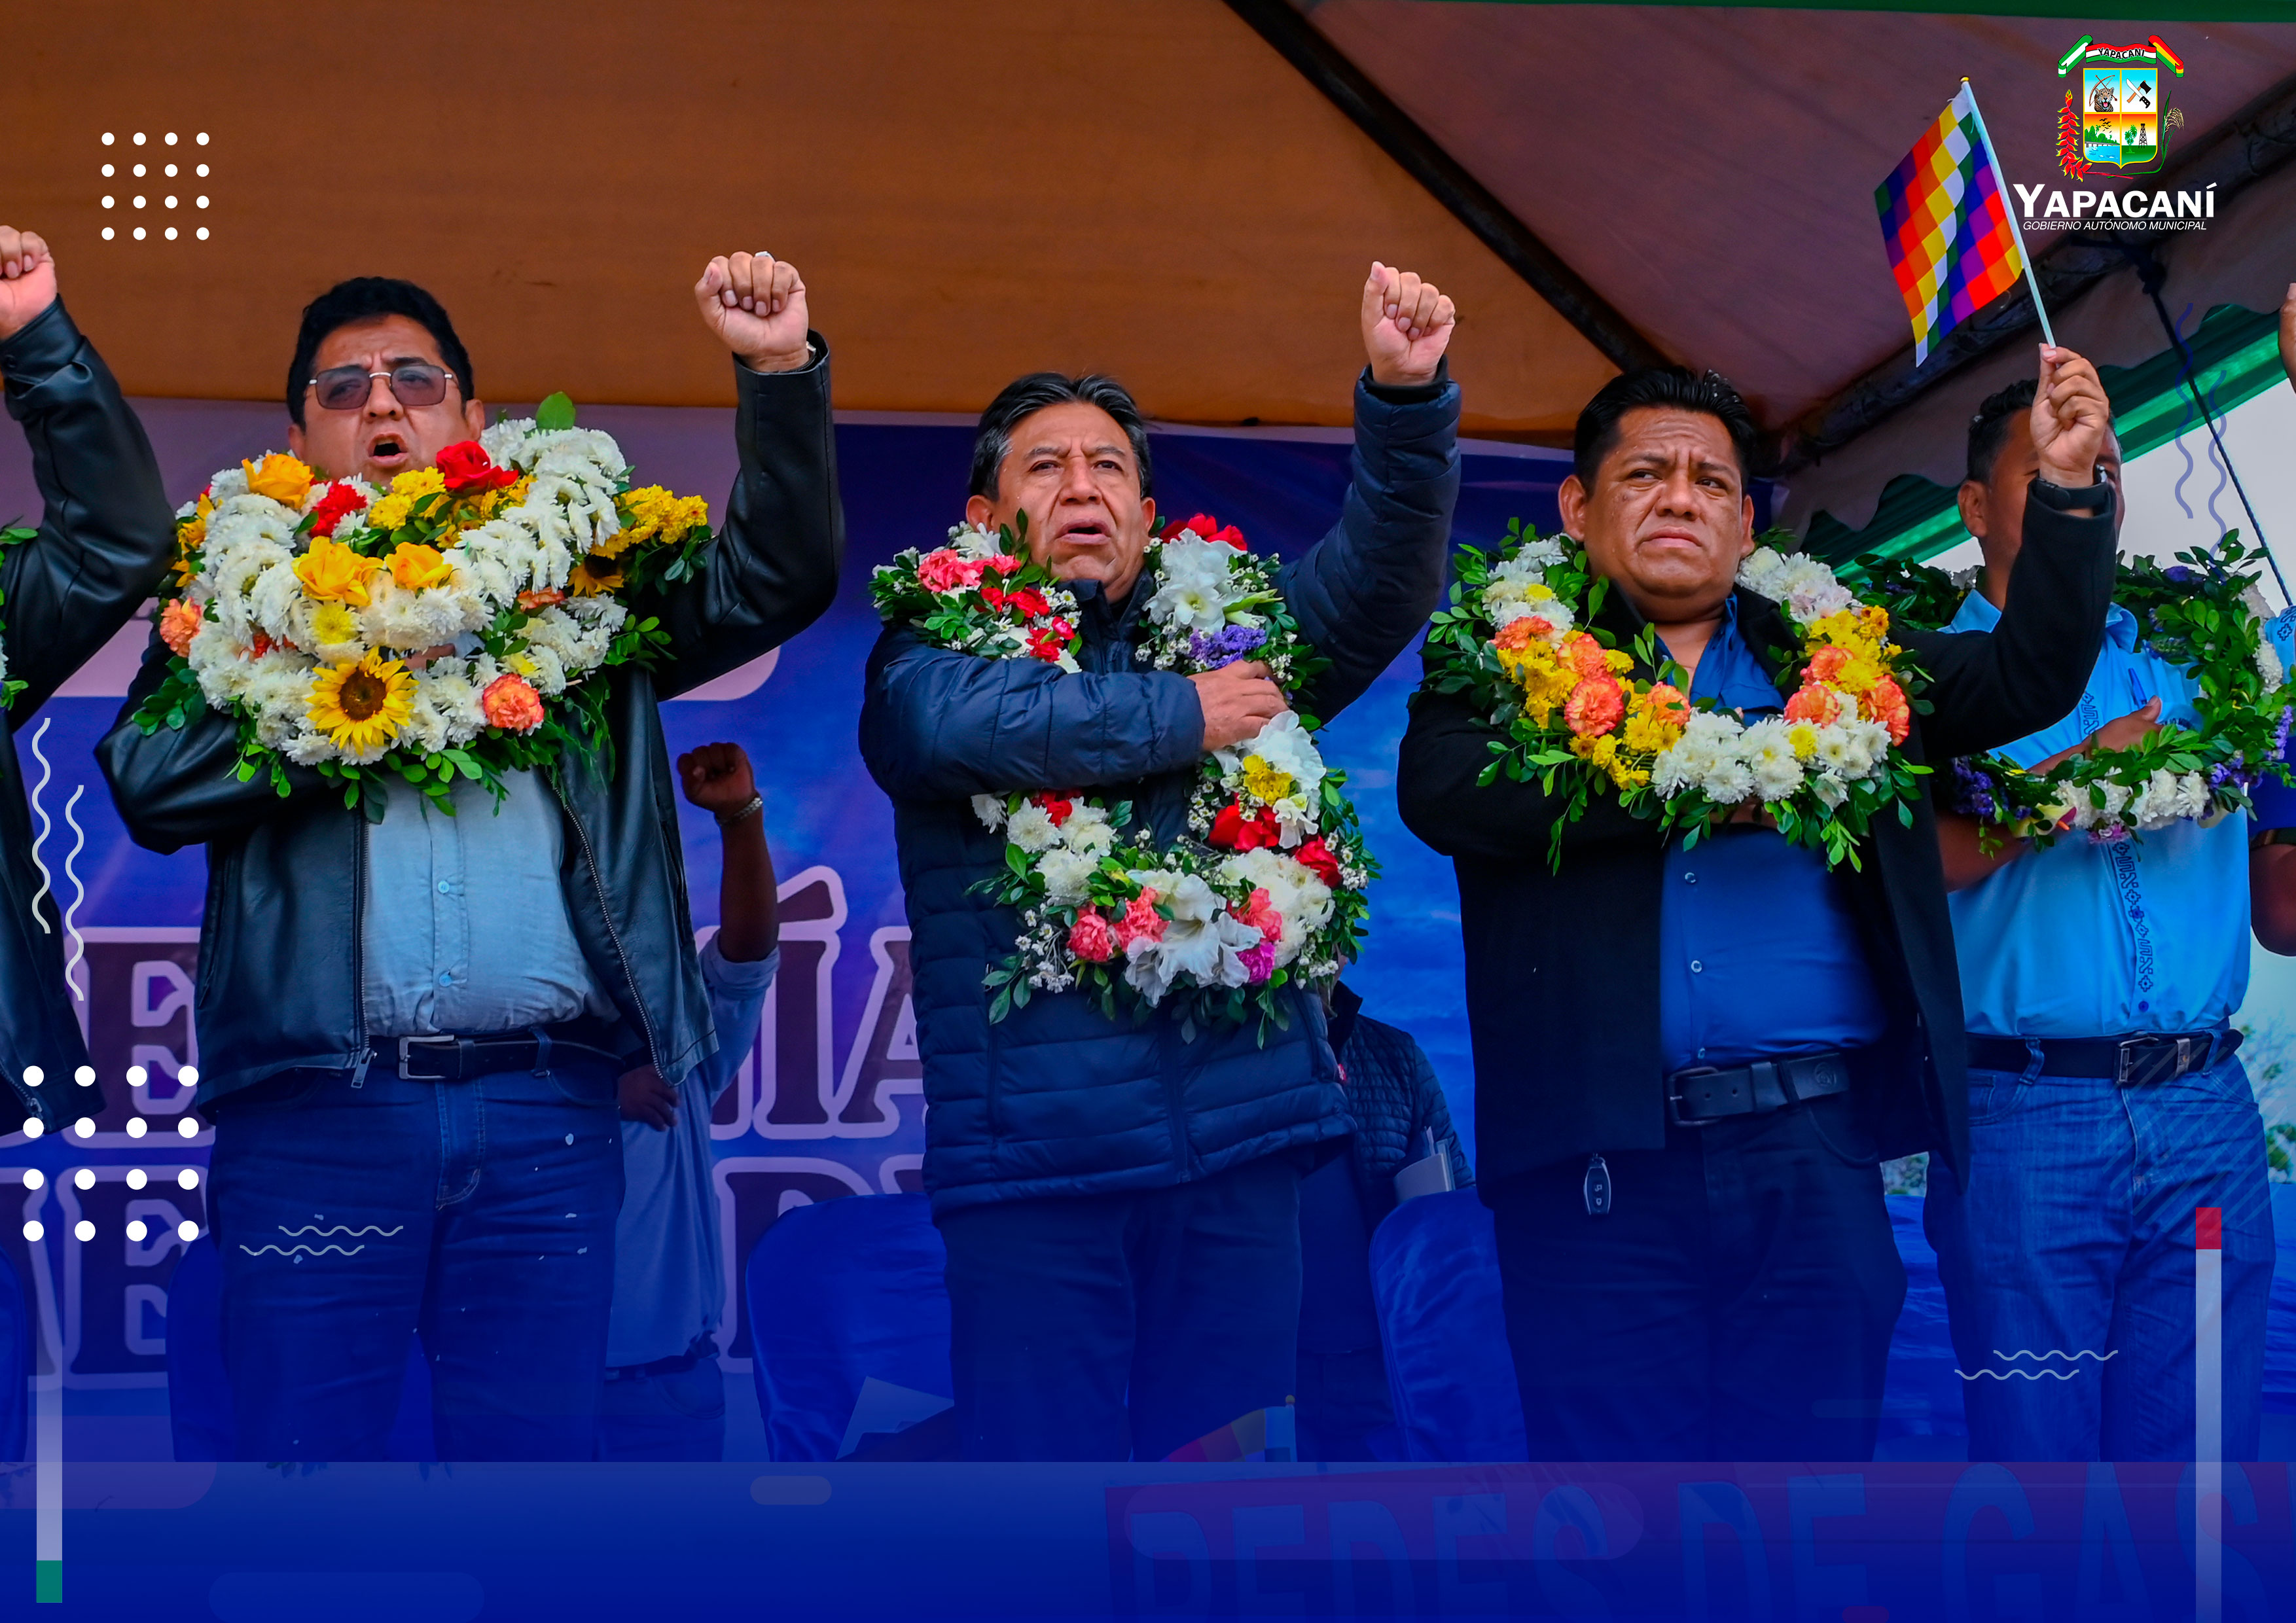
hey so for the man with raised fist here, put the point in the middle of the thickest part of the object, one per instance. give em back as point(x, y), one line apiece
point(103, 544)
point(1119, 1197)
point(413, 1026)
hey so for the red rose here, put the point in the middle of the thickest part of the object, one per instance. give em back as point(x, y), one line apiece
point(1316, 857)
point(1233, 831)
point(1055, 808)
point(1212, 529)
point(467, 469)
point(1049, 642)
point(1028, 601)
point(338, 503)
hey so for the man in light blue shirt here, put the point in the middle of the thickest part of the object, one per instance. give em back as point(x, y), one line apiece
point(665, 1397)
point(2107, 1105)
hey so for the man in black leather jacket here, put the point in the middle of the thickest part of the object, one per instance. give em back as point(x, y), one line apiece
point(103, 544)
point(412, 1027)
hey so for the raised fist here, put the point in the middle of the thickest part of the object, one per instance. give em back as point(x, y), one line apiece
point(717, 777)
point(756, 306)
point(2071, 418)
point(1407, 326)
point(28, 280)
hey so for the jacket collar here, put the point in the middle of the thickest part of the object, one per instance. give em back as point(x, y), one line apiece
point(1103, 620)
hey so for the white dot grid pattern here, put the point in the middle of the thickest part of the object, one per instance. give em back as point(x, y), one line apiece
point(85, 1178)
point(85, 1128)
point(85, 1076)
point(137, 1076)
point(34, 1127)
point(83, 1231)
point(170, 233)
point(137, 1231)
point(188, 1127)
point(188, 1178)
point(189, 1076)
point(33, 1231)
point(138, 1177)
point(187, 1231)
point(137, 1127)
point(34, 1179)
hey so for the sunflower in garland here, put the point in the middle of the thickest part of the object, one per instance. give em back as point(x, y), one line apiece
point(361, 706)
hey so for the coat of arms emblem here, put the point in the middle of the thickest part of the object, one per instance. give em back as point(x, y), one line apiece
point(2117, 118)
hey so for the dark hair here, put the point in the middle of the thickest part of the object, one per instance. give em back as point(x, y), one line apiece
point(1667, 388)
point(1023, 396)
point(1989, 430)
point(369, 299)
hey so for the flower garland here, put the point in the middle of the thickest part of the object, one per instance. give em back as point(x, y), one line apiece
point(1519, 639)
point(2203, 613)
point(306, 607)
point(1267, 887)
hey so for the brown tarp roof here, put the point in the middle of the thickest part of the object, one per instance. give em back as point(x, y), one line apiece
point(1145, 186)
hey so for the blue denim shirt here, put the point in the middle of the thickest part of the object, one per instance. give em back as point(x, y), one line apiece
point(669, 1275)
point(2084, 940)
point(466, 929)
point(1759, 953)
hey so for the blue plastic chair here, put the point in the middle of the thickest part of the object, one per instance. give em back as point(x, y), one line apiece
point(1450, 1375)
point(840, 1291)
point(199, 1393)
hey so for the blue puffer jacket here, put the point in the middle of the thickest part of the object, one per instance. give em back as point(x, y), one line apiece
point(1056, 1099)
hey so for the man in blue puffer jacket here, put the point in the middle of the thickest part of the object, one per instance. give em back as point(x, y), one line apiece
point(1122, 1206)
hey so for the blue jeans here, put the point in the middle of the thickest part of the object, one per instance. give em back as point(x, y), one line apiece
point(2074, 1241)
point(679, 1415)
point(481, 1212)
point(1125, 1324)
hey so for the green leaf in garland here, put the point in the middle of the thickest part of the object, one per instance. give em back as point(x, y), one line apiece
point(555, 413)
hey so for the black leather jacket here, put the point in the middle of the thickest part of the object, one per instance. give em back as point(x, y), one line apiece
point(279, 981)
point(105, 537)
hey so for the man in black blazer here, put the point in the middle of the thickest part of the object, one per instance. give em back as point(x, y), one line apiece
point(1691, 1063)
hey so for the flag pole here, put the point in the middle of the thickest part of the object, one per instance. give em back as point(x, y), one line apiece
point(2023, 258)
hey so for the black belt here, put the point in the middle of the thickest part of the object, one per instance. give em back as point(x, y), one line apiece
point(2131, 1061)
point(1702, 1095)
point(706, 1347)
point(448, 1058)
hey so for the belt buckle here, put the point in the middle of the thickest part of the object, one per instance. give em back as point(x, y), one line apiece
point(2144, 1061)
point(1674, 1098)
point(447, 1045)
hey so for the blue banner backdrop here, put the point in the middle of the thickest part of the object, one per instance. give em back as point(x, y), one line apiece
point(829, 1102)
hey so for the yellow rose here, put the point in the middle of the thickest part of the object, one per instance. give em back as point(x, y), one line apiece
point(332, 571)
point(280, 477)
point(414, 566)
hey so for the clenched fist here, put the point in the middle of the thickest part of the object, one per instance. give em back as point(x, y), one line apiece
point(28, 280)
point(2071, 419)
point(756, 306)
point(1407, 326)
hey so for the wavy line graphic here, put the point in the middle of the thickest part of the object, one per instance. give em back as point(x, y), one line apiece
point(2016, 1375)
point(79, 894)
point(343, 1228)
point(47, 772)
point(307, 1250)
point(2192, 414)
point(2043, 1357)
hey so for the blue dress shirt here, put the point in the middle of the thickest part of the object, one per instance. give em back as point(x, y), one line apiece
point(2085, 940)
point(465, 928)
point(1760, 957)
point(669, 1275)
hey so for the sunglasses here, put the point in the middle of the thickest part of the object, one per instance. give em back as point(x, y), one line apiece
point(345, 388)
